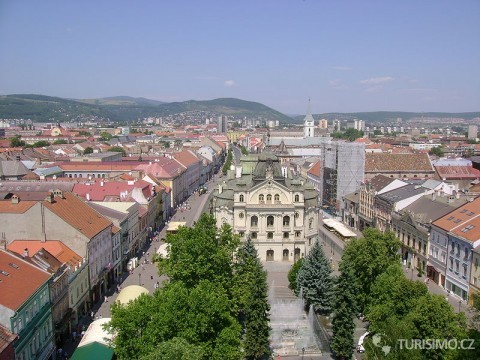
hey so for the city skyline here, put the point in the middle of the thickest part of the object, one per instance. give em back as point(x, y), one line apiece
point(348, 56)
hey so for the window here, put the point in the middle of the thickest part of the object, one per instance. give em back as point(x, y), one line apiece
point(254, 235)
point(240, 215)
point(241, 198)
point(297, 198)
point(286, 235)
point(270, 220)
point(310, 223)
point(241, 234)
point(298, 234)
point(451, 264)
point(254, 221)
point(277, 197)
point(464, 271)
point(261, 197)
point(270, 235)
point(286, 221)
point(269, 198)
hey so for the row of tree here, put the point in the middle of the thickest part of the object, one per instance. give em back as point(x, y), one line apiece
point(228, 162)
point(214, 305)
point(372, 282)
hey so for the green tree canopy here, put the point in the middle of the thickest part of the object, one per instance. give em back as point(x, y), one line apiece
point(315, 280)
point(16, 141)
point(293, 273)
point(369, 256)
point(105, 136)
point(88, 150)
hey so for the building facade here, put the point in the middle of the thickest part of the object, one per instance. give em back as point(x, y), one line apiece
point(279, 213)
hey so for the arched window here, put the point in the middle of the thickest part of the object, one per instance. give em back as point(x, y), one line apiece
point(270, 220)
point(241, 198)
point(253, 235)
point(270, 235)
point(261, 197)
point(286, 235)
point(254, 221)
point(270, 254)
point(277, 197)
point(286, 221)
point(285, 254)
point(240, 215)
point(297, 198)
point(269, 199)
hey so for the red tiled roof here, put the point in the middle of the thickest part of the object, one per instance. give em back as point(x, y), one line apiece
point(378, 162)
point(79, 215)
point(315, 169)
point(457, 172)
point(162, 168)
point(186, 158)
point(22, 281)
point(55, 247)
point(99, 190)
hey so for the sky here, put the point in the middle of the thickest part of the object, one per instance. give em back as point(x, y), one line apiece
point(343, 55)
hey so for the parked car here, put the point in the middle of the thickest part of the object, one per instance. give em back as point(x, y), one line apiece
point(360, 348)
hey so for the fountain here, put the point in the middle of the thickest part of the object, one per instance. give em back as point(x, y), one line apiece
point(292, 328)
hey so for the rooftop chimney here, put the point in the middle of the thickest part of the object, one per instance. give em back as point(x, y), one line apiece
point(25, 253)
point(87, 196)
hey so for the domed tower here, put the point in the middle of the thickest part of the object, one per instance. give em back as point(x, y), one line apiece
point(308, 123)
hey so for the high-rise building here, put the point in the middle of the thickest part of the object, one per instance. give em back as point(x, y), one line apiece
point(222, 125)
point(323, 124)
point(472, 132)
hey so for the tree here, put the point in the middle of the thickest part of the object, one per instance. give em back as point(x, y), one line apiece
point(392, 296)
point(250, 285)
point(196, 253)
point(105, 136)
point(369, 256)
point(437, 150)
point(175, 349)
point(88, 150)
point(41, 143)
point(345, 310)
point(118, 149)
point(315, 281)
point(60, 141)
point(293, 273)
point(84, 133)
point(16, 141)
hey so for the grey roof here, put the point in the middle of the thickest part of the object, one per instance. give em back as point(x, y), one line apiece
point(430, 208)
point(353, 197)
point(14, 186)
point(108, 212)
point(12, 168)
point(380, 181)
point(402, 193)
point(431, 184)
point(48, 171)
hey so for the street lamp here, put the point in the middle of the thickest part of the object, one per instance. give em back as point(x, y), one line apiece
point(140, 279)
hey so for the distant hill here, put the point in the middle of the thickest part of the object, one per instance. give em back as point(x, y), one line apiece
point(40, 108)
point(386, 116)
point(121, 100)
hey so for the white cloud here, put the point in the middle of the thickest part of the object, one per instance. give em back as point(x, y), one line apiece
point(335, 82)
point(230, 83)
point(377, 80)
point(342, 68)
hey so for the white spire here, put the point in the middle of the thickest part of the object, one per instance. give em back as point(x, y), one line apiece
point(308, 123)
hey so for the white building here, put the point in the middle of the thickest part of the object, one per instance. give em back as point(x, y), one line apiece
point(262, 201)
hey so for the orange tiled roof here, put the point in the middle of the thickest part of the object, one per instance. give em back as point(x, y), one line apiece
point(315, 169)
point(55, 247)
point(459, 216)
point(79, 215)
point(22, 281)
point(7, 207)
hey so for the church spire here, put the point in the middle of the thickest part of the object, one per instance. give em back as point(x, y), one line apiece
point(308, 123)
point(309, 110)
